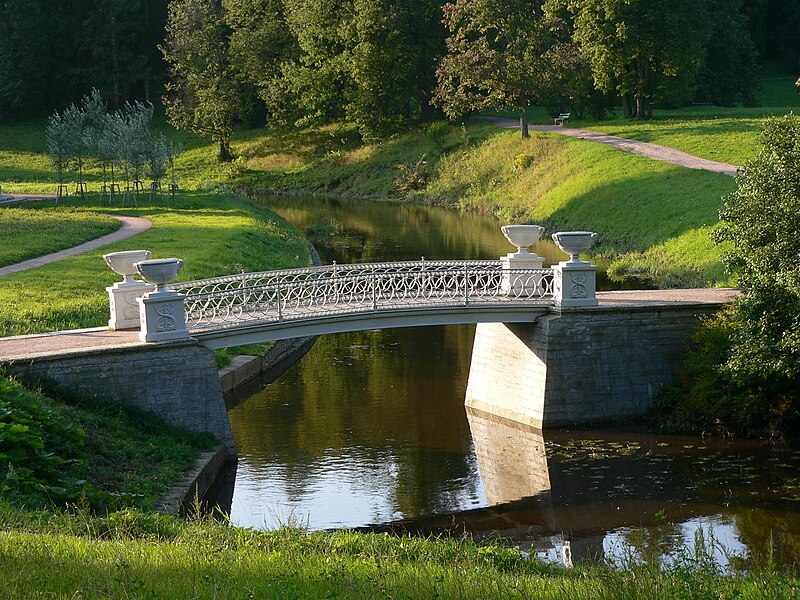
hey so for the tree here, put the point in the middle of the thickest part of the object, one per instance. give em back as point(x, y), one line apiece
point(382, 66)
point(202, 95)
point(316, 83)
point(761, 221)
point(644, 50)
point(260, 43)
point(729, 73)
point(500, 53)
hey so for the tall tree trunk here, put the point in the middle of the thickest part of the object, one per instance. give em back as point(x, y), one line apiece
point(523, 118)
point(627, 109)
point(640, 107)
point(225, 153)
point(640, 82)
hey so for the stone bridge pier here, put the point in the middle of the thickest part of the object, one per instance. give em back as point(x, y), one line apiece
point(587, 364)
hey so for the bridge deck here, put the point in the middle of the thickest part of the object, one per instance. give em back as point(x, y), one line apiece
point(65, 342)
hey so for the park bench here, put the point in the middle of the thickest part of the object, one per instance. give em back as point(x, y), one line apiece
point(561, 119)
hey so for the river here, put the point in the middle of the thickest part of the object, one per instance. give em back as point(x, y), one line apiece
point(369, 429)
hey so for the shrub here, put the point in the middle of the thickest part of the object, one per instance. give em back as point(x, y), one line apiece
point(761, 221)
point(413, 176)
point(35, 444)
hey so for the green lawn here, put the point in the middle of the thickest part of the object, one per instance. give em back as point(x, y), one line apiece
point(26, 233)
point(724, 134)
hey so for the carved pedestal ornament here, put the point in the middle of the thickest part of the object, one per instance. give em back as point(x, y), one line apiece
point(517, 281)
point(161, 311)
point(574, 280)
point(122, 295)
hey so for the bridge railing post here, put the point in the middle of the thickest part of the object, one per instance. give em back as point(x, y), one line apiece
point(278, 300)
point(466, 285)
point(374, 289)
point(574, 280)
point(161, 312)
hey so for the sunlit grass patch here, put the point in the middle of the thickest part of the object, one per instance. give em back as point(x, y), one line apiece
point(26, 233)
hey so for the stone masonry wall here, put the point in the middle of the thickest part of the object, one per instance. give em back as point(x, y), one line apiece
point(178, 382)
point(580, 366)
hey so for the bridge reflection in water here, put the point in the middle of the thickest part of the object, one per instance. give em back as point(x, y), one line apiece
point(609, 496)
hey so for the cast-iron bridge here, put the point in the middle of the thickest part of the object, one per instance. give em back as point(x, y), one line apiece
point(271, 305)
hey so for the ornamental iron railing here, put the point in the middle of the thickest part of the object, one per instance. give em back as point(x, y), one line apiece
point(313, 292)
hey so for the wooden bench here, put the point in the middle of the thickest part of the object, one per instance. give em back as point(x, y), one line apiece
point(561, 119)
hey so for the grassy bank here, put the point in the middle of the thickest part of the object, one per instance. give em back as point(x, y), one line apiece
point(653, 218)
point(26, 233)
point(58, 447)
point(138, 555)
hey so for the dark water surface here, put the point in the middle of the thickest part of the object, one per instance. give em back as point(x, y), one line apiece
point(370, 428)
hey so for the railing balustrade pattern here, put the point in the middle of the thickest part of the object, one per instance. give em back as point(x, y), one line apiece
point(295, 294)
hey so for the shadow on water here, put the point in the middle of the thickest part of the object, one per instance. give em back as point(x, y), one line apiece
point(369, 430)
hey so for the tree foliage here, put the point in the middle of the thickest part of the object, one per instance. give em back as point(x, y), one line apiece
point(202, 95)
point(51, 53)
point(761, 221)
point(499, 53)
point(644, 50)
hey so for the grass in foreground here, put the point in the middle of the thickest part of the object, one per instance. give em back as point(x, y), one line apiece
point(130, 554)
point(26, 233)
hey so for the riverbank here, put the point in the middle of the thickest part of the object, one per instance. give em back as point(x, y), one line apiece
point(654, 219)
point(132, 554)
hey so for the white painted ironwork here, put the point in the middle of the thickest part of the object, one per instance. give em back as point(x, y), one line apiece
point(298, 294)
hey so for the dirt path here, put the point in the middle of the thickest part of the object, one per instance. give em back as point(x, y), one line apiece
point(130, 226)
point(647, 149)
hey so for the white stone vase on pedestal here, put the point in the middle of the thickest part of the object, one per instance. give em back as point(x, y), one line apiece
point(122, 296)
point(574, 280)
point(161, 312)
point(515, 282)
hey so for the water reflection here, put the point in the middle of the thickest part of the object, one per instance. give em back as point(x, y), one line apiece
point(362, 416)
point(626, 497)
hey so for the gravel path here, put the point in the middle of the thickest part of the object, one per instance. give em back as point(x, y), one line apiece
point(130, 226)
point(647, 149)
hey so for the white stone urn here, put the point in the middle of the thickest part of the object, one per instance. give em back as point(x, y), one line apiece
point(160, 271)
point(522, 236)
point(574, 243)
point(124, 263)
point(161, 312)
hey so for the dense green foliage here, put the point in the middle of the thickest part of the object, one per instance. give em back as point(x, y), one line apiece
point(52, 53)
point(505, 54)
point(761, 220)
point(373, 62)
point(59, 447)
point(202, 95)
point(744, 376)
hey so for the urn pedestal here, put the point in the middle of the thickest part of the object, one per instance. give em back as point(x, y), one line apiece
point(161, 311)
point(574, 284)
point(122, 298)
point(516, 282)
point(122, 295)
point(574, 280)
point(162, 317)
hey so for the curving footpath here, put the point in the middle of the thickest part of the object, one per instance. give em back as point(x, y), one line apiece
point(130, 226)
point(646, 149)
